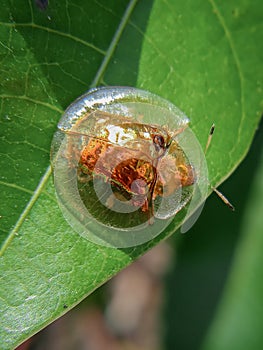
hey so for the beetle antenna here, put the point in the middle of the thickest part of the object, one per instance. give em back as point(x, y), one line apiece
point(219, 194)
point(212, 129)
point(224, 199)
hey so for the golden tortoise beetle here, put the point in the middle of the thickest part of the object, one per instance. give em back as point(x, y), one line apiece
point(125, 163)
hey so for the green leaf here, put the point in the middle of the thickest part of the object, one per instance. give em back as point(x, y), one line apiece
point(238, 321)
point(203, 56)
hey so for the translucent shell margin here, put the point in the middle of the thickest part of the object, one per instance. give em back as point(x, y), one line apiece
point(129, 127)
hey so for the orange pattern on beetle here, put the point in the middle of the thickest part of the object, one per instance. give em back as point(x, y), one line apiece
point(143, 169)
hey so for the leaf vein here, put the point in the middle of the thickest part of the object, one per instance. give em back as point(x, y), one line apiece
point(57, 32)
point(27, 209)
point(29, 99)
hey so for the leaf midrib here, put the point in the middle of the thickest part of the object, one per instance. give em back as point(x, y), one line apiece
point(114, 42)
